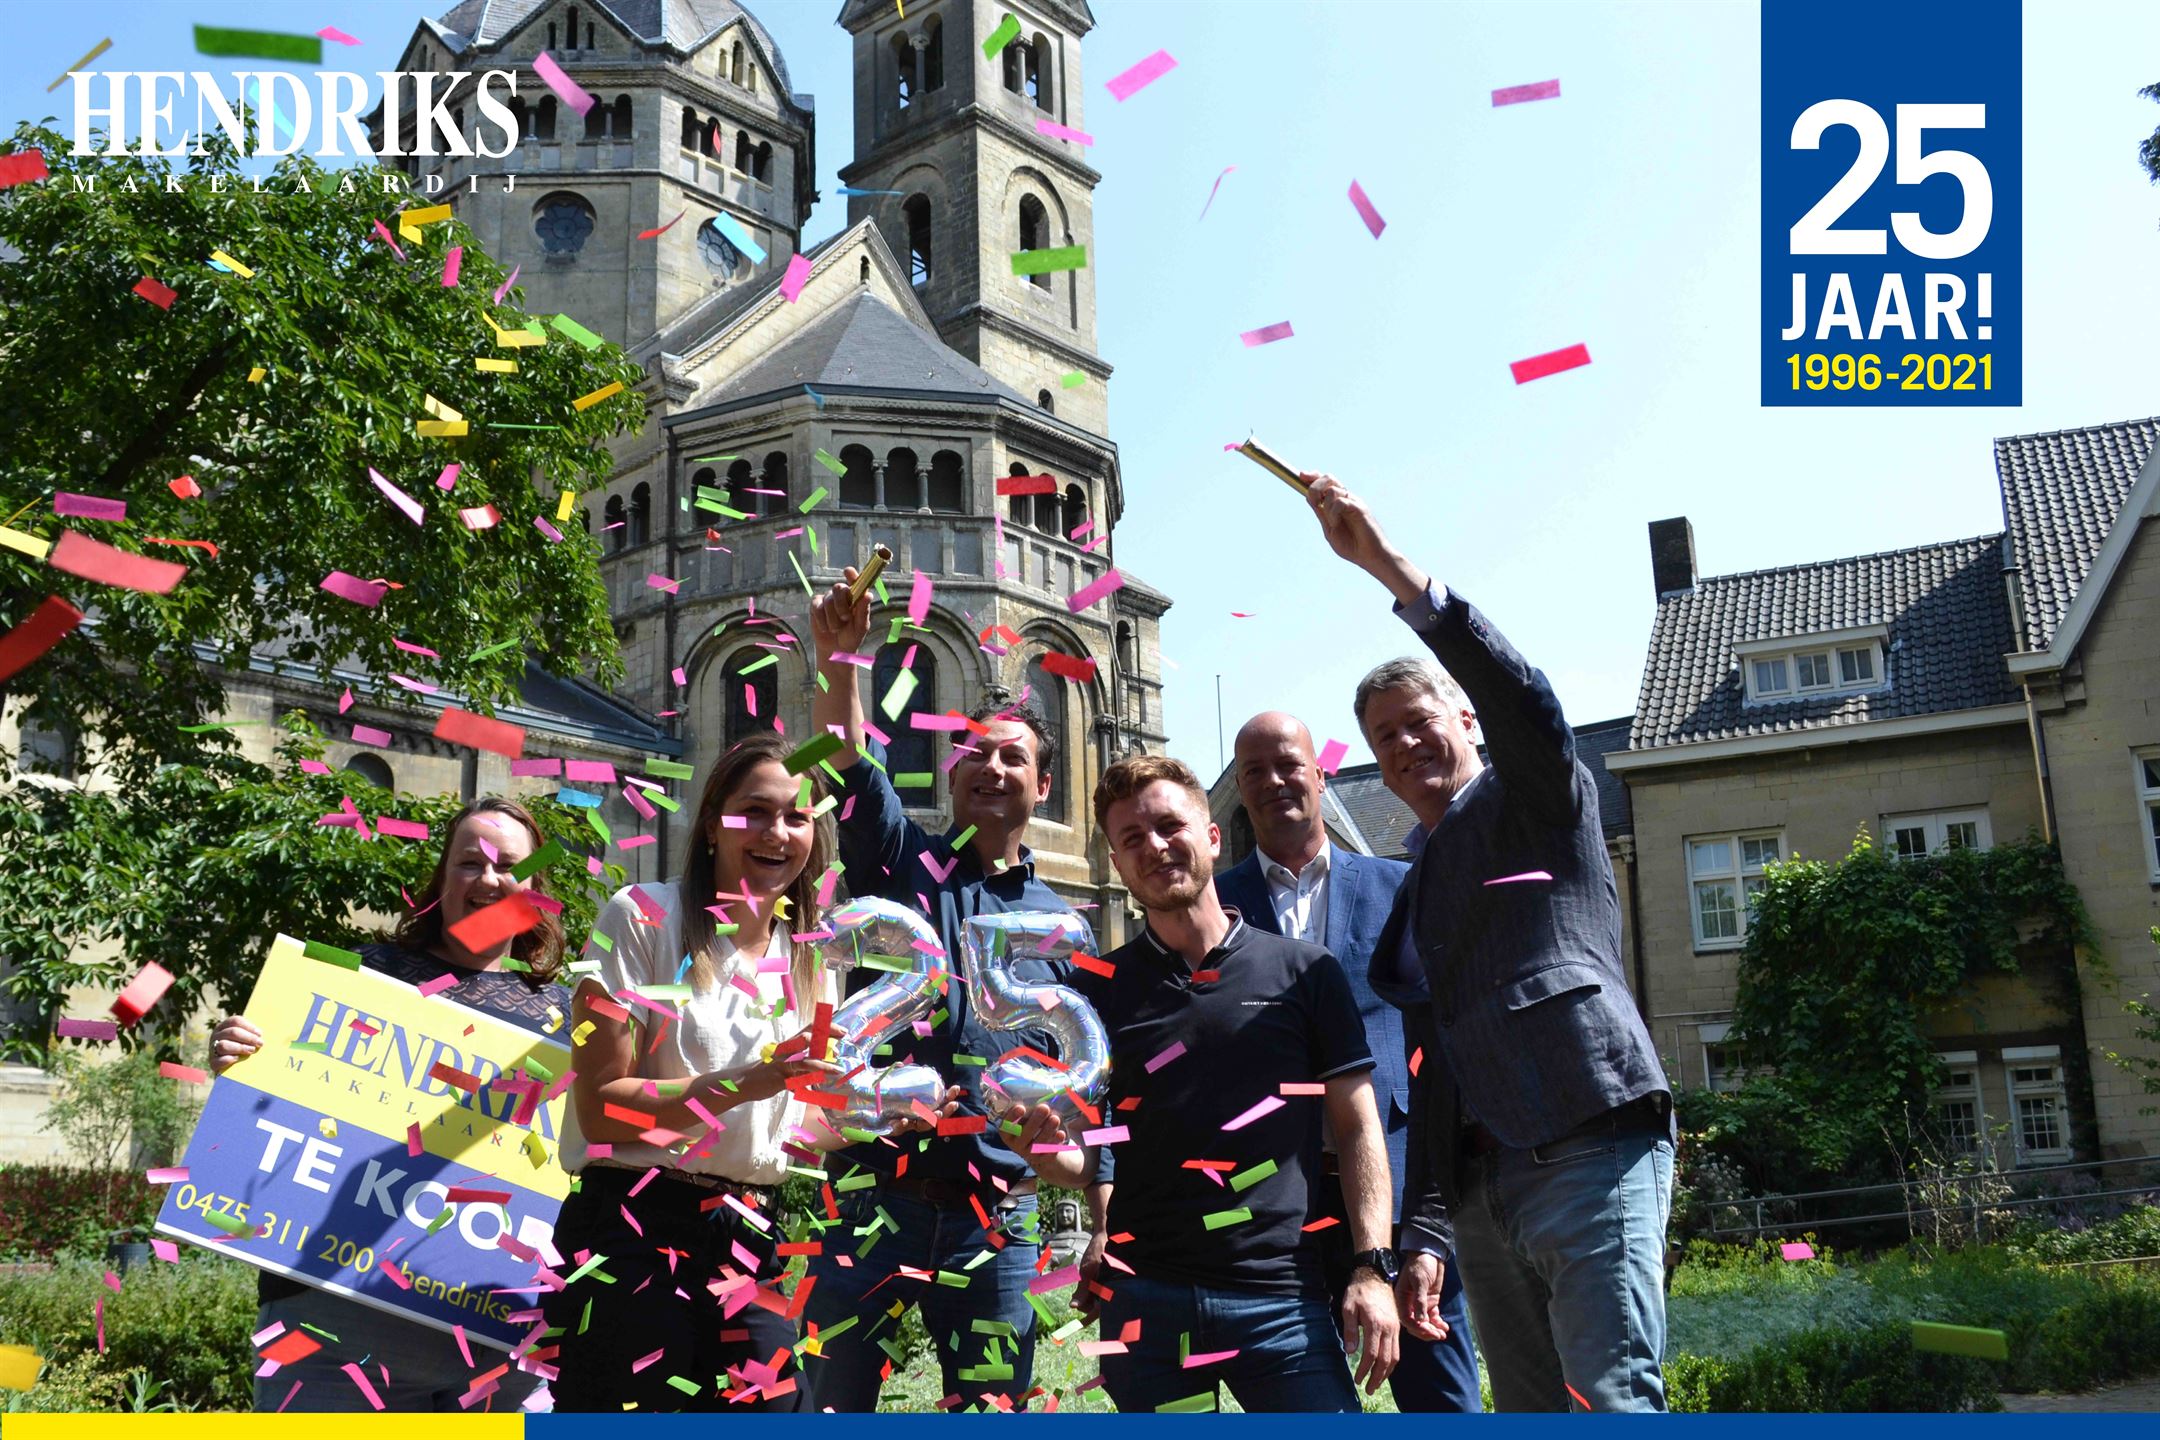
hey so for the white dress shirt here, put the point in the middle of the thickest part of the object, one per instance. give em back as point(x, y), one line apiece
point(1300, 900)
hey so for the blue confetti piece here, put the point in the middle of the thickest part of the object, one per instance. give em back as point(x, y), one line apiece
point(729, 226)
point(215, 266)
point(567, 796)
point(815, 398)
point(848, 190)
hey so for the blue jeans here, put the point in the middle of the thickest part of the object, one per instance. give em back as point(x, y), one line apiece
point(1289, 1354)
point(1562, 1248)
point(938, 1238)
point(414, 1368)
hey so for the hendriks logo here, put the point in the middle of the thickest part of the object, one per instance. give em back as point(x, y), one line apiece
point(141, 104)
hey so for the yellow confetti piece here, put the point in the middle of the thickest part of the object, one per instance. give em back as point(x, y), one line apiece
point(439, 410)
point(535, 1150)
point(586, 402)
point(515, 339)
point(495, 367)
point(410, 222)
point(443, 428)
point(30, 545)
point(562, 506)
point(255, 375)
point(19, 1366)
point(328, 1127)
point(231, 264)
point(583, 1032)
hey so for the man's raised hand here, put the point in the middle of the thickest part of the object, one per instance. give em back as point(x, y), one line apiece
point(837, 621)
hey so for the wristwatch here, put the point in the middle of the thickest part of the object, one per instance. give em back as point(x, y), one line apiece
point(1380, 1262)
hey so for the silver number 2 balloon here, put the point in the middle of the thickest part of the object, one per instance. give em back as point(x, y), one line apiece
point(876, 1014)
point(1003, 1001)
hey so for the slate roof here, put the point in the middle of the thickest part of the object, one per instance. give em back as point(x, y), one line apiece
point(862, 343)
point(2061, 493)
point(679, 24)
point(1949, 628)
point(1593, 742)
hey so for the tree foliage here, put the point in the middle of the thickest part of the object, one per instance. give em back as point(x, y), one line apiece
point(2149, 147)
point(201, 866)
point(2145, 1018)
point(111, 396)
point(1846, 964)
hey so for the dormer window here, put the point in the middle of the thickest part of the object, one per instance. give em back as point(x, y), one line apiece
point(1845, 662)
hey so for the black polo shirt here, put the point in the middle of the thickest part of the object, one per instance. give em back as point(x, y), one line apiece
point(1274, 1011)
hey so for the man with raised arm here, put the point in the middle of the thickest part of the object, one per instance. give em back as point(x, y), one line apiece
point(1542, 1142)
point(1228, 1046)
point(932, 1189)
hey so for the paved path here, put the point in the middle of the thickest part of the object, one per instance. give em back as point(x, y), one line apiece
point(2137, 1395)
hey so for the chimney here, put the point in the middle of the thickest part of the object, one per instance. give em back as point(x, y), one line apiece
point(1672, 556)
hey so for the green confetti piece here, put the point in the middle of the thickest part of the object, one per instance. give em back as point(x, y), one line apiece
point(310, 1047)
point(688, 1387)
point(1960, 1340)
point(258, 44)
point(494, 649)
point(1042, 262)
point(669, 769)
point(993, 1327)
point(827, 459)
point(600, 938)
point(532, 1066)
point(442, 1217)
point(1072, 380)
point(961, 839)
point(599, 826)
point(331, 955)
point(891, 963)
point(1220, 1218)
point(230, 1224)
point(507, 425)
point(1010, 1127)
point(1070, 1327)
point(590, 1267)
point(712, 459)
point(222, 725)
point(756, 665)
point(1008, 30)
point(810, 534)
point(830, 773)
point(896, 698)
point(1190, 1405)
point(806, 590)
point(806, 1172)
point(654, 797)
point(585, 1317)
point(810, 503)
point(577, 332)
point(863, 752)
point(829, 803)
point(987, 1373)
point(859, 1135)
point(854, 1182)
point(1253, 1176)
point(539, 860)
point(914, 780)
point(955, 1281)
point(981, 1259)
point(720, 509)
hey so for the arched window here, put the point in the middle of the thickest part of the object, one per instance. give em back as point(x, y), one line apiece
point(742, 151)
point(690, 129)
point(573, 27)
point(597, 119)
point(705, 478)
point(933, 55)
point(761, 162)
point(776, 478)
point(618, 523)
point(1020, 509)
point(1048, 509)
point(917, 210)
point(1076, 509)
point(457, 119)
point(1043, 400)
point(640, 514)
point(588, 35)
point(1034, 232)
point(735, 63)
point(551, 35)
point(1046, 692)
point(858, 481)
point(903, 70)
point(1128, 654)
point(620, 130)
point(1037, 63)
point(373, 769)
point(752, 700)
point(910, 751)
point(903, 481)
point(1011, 56)
point(521, 116)
point(948, 483)
point(740, 482)
point(564, 222)
point(862, 275)
point(544, 119)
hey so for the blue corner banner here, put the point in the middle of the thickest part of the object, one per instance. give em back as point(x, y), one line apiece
point(1892, 203)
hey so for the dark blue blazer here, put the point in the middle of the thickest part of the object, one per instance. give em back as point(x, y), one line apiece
point(1361, 891)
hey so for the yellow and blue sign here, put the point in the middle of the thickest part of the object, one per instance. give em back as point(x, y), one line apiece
point(1892, 203)
point(385, 1145)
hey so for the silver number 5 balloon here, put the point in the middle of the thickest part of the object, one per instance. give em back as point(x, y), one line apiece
point(875, 1015)
point(1004, 1002)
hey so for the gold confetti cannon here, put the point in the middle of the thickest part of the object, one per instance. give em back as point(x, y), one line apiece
point(880, 557)
point(1274, 464)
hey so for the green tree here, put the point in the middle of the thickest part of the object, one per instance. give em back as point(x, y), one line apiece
point(2146, 1067)
point(111, 396)
point(201, 866)
point(2149, 147)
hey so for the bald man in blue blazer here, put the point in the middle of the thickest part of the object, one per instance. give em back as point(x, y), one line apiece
point(1297, 884)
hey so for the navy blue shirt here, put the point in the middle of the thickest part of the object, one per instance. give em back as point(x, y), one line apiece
point(1276, 1011)
point(881, 854)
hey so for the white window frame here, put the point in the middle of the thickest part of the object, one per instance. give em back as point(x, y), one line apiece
point(1729, 1077)
point(1937, 825)
point(2018, 1057)
point(1831, 647)
point(1956, 1094)
point(1739, 873)
point(2148, 809)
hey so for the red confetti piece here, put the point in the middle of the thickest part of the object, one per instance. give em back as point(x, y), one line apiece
point(1552, 362)
point(1321, 1224)
point(157, 294)
point(629, 1116)
point(39, 631)
point(1093, 965)
point(455, 1078)
point(196, 544)
point(290, 1346)
point(184, 487)
point(1027, 485)
point(22, 167)
point(653, 234)
point(462, 727)
point(1417, 1059)
point(1068, 667)
point(490, 925)
point(188, 1073)
point(963, 1125)
point(142, 993)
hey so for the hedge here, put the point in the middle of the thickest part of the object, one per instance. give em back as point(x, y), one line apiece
point(48, 1210)
point(185, 1324)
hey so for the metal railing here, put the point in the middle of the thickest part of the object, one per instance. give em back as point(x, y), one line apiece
point(1974, 1206)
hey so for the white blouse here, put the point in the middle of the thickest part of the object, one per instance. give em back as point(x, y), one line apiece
point(717, 1029)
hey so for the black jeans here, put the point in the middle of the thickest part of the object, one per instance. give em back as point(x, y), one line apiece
point(653, 1304)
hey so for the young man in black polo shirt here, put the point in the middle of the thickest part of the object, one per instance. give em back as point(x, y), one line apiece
point(1211, 1272)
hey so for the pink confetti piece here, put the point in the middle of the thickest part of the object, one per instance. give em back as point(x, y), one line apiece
point(643, 1362)
point(589, 770)
point(661, 582)
point(540, 523)
point(411, 649)
point(480, 517)
point(921, 721)
point(314, 767)
point(112, 1283)
point(448, 477)
point(1267, 334)
point(918, 605)
point(100, 1312)
point(87, 1029)
point(414, 1147)
point(1193, 1362)
point(165, 1250)
point(504, 289)
point(268, 1333)
point(167, 1175)
point(639, 803)
point(387, 239)
point(332, 33)
point(1552, 362)
point(419, 686)
point(1177, 1048)
point(1797, 1250)
point(464, 1347)
point(453, 261)
point(930, 863)
point(1266, 1107)
point(1517, 94)
point(89, 507)
point(1365, 210)
point(1527, 877)
point(798, 275)
point(437, 985)
point(359, 1378)
point(369, 735)
point(536, 767)
point(1088, 595)
point(414, 510)
point(402, 829)
point(345, 703)
point(1108, 1135)
point(567, 90)
point(353, 588)
point(1211, 205)
point(1055, 1280)
point(1063, 132)
point(1146, 73)
point(1331, 756)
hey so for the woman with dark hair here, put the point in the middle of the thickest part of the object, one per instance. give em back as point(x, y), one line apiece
point(677, 1323)
point(514, 981)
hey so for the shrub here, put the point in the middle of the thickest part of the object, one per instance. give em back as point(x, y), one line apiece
point(2135, 1233)
point(185, 1325)
point(48, 1210)
point(1843, 1371)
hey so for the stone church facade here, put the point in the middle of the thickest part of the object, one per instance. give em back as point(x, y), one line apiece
point(911, 373)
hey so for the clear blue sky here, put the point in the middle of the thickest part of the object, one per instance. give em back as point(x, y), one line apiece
point(1622, 216)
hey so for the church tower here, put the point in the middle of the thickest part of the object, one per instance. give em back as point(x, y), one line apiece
point(955, 135)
